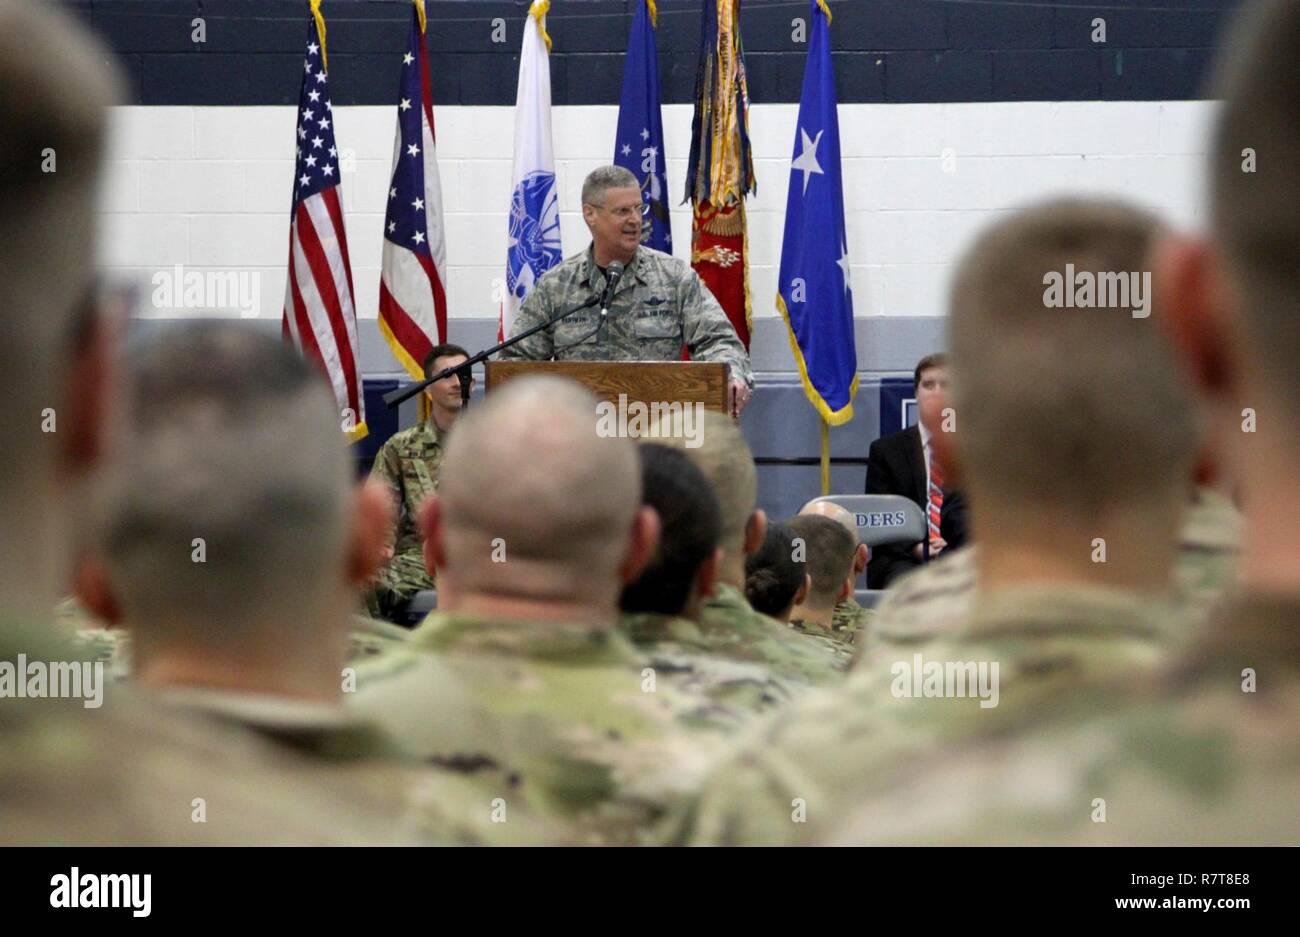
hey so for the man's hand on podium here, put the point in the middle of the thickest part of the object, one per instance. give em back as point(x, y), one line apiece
point(737, 396)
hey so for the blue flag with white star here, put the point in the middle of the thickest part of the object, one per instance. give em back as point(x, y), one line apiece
point(639, 143)
point(814, 292)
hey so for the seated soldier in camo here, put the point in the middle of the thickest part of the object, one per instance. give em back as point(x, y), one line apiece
point(826, 550)
point(658, 611)
point(774, 581)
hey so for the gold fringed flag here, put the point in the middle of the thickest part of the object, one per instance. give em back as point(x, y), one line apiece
point(721, 169)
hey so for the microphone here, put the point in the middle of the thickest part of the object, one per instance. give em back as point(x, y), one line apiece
point(613, 274)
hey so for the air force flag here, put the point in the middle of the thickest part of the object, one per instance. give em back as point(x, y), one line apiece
point(814, 293)
point(639, 142)
point(533, 245)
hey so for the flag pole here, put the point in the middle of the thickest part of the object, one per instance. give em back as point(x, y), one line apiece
point(826, 457)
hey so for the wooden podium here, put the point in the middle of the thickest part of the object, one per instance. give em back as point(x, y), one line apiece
point(644, 381)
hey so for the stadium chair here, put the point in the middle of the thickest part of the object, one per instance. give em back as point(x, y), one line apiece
point(421, 604)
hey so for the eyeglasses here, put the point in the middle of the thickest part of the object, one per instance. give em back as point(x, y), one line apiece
point(624, 213)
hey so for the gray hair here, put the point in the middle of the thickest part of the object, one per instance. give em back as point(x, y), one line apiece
point(601, 180)
point(229, 501)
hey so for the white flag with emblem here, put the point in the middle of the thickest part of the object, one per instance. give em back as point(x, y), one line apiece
point(533, 245)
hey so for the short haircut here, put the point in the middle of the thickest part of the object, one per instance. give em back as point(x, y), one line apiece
point(724, 458)
point(1256, 215)
point(828, 553)
point(445, 350)
point(690, 524)
point(228, 503)
point(772, 576)
point(937, 359)
point(526, 471)
point(599, 181)
point(1070, 411)
point(55, 84)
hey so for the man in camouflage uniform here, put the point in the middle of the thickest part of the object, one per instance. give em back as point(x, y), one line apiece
point(1049, 623)
point(254, 632)
point(130, 771)
point(849, 618)
point(728, 623)
point(936, 598)
point(828, 551)
point(659, 609)
point(1208, 754)
point(408, 464)
point(521, 679)
point(659, 305)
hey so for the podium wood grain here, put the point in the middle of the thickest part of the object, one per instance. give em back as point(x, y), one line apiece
point(645, 381)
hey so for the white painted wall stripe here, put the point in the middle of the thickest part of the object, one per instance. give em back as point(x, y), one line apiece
point(209, 187)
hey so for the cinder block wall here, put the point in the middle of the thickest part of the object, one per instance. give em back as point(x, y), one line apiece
point(950, 114)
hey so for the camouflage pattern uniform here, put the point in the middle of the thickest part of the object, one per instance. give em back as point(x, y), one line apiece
point(820, 758)
point(424, 803)
point(838, 643)
point(567, 720)
point(659, 306)
point(852, 620)
point(731, 628)
point(408, 464)
point(676, 647)
point(1193, 759)
point(129, 773)
point(371, 637)
point(936, 597)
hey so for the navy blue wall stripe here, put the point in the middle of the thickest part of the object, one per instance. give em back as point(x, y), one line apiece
point(896, 51)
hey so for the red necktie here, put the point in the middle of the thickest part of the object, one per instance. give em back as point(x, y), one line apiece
point(936, 497)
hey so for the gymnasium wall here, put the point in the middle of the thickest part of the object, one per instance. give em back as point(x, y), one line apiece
point(950, 114)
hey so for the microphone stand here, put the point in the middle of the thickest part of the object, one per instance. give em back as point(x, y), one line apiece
point(464, 370)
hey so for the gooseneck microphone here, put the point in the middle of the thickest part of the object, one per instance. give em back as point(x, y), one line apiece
point(613, 273)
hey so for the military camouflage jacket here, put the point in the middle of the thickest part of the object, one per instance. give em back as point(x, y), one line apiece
point(567, 721)
point(677, 649)
point(659, 306)
point(731, 628)
point(823, 756)
point(837, 642)
point(1206, 755)
point(135, 772)
point(851, 619)
point(935, 598)
point(408, 464)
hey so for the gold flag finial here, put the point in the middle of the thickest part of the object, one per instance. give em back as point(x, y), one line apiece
point(419, 11)
point(538, 12)
point(320, 29)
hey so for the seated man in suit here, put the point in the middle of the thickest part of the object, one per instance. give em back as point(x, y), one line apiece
point(905, 463)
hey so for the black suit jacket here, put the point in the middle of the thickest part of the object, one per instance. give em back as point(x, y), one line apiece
point(896, 466)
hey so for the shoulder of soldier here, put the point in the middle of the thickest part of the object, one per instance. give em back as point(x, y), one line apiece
point(564, 276)
point(928, 601)
point(371, 637)
point(648, 629)
point(156, 764)
point(1204, 764)
point(674, 268)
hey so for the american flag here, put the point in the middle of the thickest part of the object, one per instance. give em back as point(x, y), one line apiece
point(412, 295)
point(319, 315)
